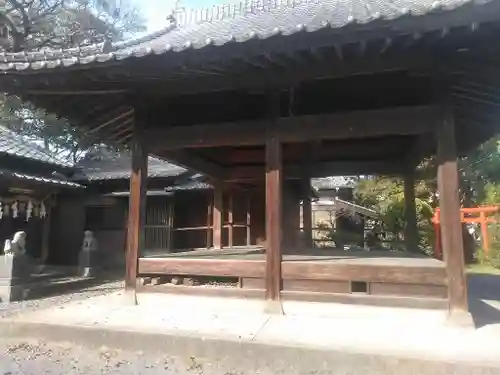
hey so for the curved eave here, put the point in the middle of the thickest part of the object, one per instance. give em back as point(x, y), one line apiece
point(40, 179)
point(337, 22)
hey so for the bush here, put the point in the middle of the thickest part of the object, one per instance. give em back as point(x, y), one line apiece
point(493, 256)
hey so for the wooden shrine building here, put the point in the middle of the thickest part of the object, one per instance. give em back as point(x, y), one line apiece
point(31, 180)
point(262, 98)
point(179, 207)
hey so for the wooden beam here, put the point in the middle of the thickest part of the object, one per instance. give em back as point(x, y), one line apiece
point(136, 212)
point(348, 125)
point(324, 169)
point(451, 229)
point(76, 92)
point(274, 198)
point(202, 267)
point(410, 230)
point(195, 163)
point(366, 299)
point(336, 271)
point(120, 113)
point(241, 293)
point(218, 218)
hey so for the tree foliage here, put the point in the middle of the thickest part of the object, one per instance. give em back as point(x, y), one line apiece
point(386, 196)
point(42, 24)
point(38, 24)
point(479, 174)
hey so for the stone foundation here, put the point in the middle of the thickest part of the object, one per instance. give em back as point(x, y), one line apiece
point(15, 277)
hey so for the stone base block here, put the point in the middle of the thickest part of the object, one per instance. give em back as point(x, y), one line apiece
point(460, 319)
point(12, 293)
point(15, 277)
point(273, 307)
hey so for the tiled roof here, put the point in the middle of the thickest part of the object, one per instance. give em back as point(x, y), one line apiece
point(40, 179)
point(190, 185)
point(261, 20)
point(120, 168)
point(13, 144)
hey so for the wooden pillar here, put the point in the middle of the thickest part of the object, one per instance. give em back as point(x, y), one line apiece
point(411, 231)
point(307, 215)
point(483, 223)
point(218, 218)
point(274, 170)
point(210, 205)
point(248, 221)
point(136, 213)
point(451, 230)
point(46, 225)
point(230, 238)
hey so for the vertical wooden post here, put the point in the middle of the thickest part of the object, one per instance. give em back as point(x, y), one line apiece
point(136, 212)
point(411, 231)
point(484, 232)
point(451, 229)
point(230, 220)
point(210, 205)
point(170, 224)
point(46, 233)
point(273, 217)
point(248, 221)
point(307, 215)
point(218, 218)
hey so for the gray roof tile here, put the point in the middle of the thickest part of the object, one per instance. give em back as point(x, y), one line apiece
point(262, 20)
point(190, 185)
point(40, 179)
point(13, 144)
point(120, 168)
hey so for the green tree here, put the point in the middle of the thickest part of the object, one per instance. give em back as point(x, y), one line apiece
point(40, 24)
point(37, 24)
point(386, 196)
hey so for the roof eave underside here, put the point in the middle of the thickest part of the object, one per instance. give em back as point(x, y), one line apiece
point(193, 51)
point(393, 18)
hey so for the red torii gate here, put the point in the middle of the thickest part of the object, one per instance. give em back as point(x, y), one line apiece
point(467, 215)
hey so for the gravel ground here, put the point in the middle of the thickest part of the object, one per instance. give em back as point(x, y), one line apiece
point(37, 358)
point(19, 307)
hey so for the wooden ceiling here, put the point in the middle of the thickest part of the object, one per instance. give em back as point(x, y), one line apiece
point(322, 90)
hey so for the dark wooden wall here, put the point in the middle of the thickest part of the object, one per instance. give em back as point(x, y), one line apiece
point(66, 231)
point(107, 219)
point(191, 219)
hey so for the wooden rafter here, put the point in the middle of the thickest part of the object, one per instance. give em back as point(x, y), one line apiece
point(195, 163)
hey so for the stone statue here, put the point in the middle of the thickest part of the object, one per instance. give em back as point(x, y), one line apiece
point(88, 258)
point(17, 246)
point(89, 241)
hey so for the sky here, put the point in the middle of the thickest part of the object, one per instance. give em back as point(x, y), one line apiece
point(156, 11)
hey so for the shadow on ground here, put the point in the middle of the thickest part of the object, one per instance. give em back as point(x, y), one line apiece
point(484, 289)
point(58, 284)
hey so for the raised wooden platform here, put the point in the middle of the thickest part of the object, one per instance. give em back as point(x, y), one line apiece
point(311, 274)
